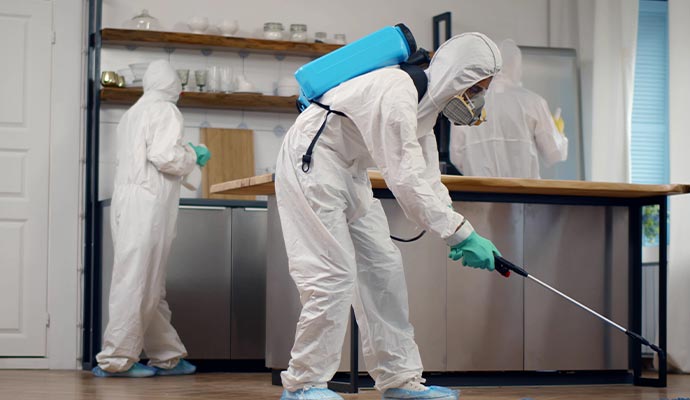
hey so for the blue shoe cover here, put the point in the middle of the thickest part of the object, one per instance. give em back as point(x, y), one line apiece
point(431, 393)
point(135, 371)
point(310, 394)
point(182, 368)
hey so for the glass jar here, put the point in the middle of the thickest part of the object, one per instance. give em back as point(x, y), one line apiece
point(298, 33)
point(339, 38)
point(320, 37)
point(273, 31)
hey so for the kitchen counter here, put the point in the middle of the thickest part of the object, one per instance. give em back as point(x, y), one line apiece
point(264, 185)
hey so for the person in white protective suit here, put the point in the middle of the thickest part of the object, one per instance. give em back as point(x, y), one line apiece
point(336, 233)
point(520, 131)
point(151, 161)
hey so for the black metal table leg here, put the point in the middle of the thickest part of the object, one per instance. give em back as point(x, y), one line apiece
point(636, 352)
point(635, 294)
point(353, 385)
point(663, 282)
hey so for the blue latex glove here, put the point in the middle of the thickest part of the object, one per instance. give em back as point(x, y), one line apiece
point(475, 251)
point(202, 154)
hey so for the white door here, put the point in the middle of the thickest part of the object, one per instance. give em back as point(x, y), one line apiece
point(25, 92)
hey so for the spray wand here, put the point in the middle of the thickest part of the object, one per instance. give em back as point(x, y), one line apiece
point(504, 267)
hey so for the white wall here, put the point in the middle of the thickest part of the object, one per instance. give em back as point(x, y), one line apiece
point(64, 236)
point(679, 256)
point(525, 21)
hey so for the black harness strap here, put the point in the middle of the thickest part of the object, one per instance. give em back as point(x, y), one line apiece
point(415, 72)
point(418, 77)
point(306, 158)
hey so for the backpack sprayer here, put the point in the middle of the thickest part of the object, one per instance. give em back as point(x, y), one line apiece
point(391, 45)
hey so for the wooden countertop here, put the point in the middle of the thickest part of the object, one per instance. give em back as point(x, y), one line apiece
point(263, 185)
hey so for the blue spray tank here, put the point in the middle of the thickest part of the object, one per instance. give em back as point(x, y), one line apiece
point(389, 46)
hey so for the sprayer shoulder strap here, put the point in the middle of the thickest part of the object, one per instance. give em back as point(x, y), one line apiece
point(306, 158)
point(420, 81)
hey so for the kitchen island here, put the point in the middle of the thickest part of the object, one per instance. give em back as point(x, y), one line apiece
point(472, 326)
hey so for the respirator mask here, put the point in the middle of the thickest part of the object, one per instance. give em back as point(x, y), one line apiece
point(463, 110)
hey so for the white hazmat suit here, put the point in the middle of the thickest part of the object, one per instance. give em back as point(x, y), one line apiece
point(519, 129)
point(336, 233)
point(151, 160)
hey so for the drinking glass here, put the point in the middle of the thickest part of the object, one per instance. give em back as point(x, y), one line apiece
point(183, 74)
point(226, 81)
point(213, 83)
point(200, 77)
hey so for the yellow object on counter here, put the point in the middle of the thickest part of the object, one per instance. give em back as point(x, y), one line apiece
point(560, 124)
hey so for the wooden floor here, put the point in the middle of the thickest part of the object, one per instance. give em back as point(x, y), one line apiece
point(75, 385)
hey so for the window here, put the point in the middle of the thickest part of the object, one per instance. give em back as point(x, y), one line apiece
point(649, 142)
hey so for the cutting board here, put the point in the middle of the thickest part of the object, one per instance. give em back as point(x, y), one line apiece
point(232, 157)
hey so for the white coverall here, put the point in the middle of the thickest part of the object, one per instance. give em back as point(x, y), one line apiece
point(519, 129)
point(336, 233)
point(151, 159)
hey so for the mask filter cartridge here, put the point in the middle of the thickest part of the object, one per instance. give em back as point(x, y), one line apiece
point(463, 111)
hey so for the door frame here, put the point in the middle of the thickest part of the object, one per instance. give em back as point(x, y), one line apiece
point(66, 192)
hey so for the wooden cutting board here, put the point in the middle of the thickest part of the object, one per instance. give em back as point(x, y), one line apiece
point(232, 157)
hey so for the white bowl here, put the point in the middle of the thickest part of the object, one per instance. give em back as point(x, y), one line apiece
point(198, 24)
point(228, 27)
point(139, 69)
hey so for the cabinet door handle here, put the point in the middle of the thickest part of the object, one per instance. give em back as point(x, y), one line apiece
point(202, 208)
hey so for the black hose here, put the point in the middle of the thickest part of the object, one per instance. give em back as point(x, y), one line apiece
point(408, 240)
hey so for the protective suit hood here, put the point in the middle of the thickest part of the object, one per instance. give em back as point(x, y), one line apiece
point(457, 65)
point(161, 82)
point(511, 73)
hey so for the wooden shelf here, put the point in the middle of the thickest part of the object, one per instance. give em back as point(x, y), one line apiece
point(136, 38)
point(231, 101)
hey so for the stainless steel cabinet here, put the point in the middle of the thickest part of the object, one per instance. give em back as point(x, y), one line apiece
point(485, 311)
point(582, 251)
point(198, 282)
point(283, 307)
point(216, 280)
point(248, 305)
